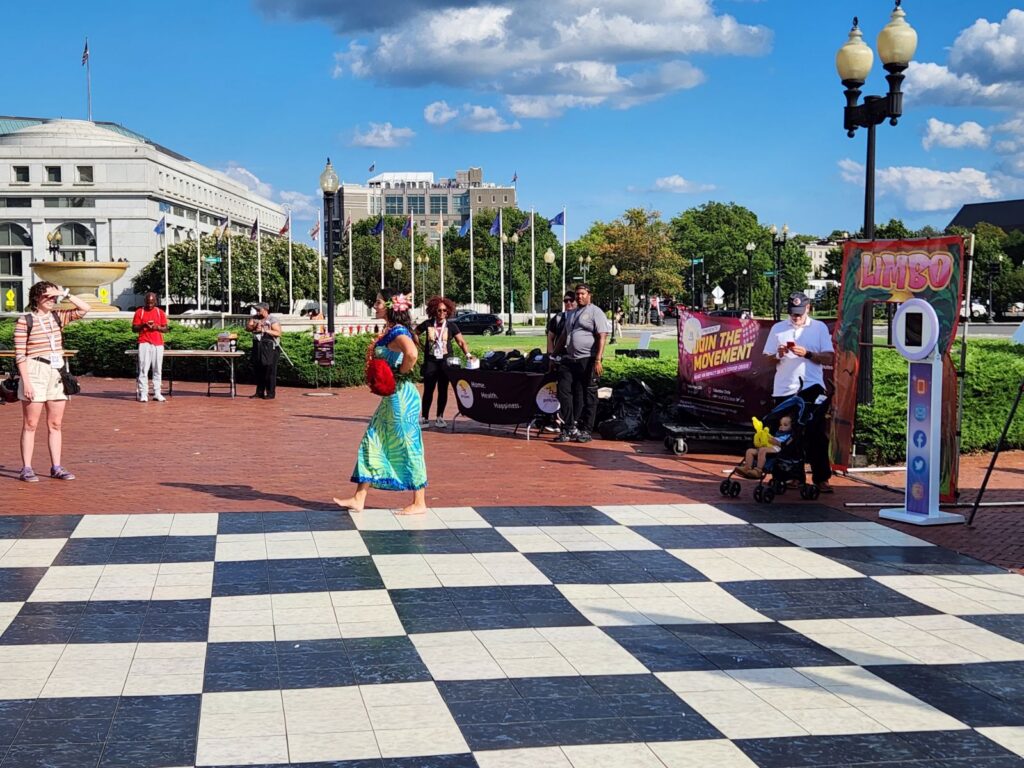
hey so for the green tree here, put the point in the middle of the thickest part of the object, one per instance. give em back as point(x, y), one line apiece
point(638, 245)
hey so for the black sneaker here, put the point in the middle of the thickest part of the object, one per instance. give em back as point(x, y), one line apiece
point(583, 437)
point(566, 437)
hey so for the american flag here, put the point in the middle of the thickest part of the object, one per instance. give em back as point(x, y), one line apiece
point(85, 53)
point(515, 177)
point(286, 227)
point(314, 233)
point(254, 232)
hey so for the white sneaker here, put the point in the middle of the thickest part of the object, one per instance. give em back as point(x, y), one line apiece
point(143, 399)
point(440, 423)
point(159, 398)
point(424, 423)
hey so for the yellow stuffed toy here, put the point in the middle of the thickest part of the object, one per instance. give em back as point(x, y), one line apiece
point(762, 437)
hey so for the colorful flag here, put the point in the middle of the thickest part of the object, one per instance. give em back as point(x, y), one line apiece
point(464, 229)
point(558, 219)
point(515, 176)
point(526, 224)
point(372, 168)
point(378, 227)
point(254, 232)
point(165, 207)
point(161, 226)
point(408, 226)
point(314, 233)
point(496, 226)
point(286, 227)
point(85, 53)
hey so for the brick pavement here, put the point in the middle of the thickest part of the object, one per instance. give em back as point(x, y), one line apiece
point(199, 454)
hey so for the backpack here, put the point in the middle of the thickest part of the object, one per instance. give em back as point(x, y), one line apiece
point(536, 361)
point(493, 360)
point(515, 362)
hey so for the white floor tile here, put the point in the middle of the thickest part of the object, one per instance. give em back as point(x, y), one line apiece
point(31, 553)
point(716, 753)
point(1011, 737)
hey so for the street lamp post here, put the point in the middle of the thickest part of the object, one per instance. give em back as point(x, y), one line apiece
point(585, 266)
point(778, 243)
point(53, 240)
point(751, 247)
point(510, 331)
point(423, 260)
point(613, 272)
point(329, 186)
point(896, 43)
point(549, 259)
point(993, 269)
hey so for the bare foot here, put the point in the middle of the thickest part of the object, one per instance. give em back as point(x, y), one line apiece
point(413, 509)
point(350, 504)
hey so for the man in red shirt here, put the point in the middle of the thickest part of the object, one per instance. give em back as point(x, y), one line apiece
point(150, 322)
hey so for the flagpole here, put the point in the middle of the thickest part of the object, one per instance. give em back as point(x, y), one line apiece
point(167, 277)
point(88, 77)
point(442, 255)
point(533, 272)
point(501, 260)
point(382, 251)
point(230, 284)
point(291, 298)
point(472, 283)
point(319, 265)
point(412, 257)
point(351, 292)
point(199, 263)
point(563, 252)
point(259, 261)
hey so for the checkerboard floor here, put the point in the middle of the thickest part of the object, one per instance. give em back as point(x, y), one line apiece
point(665, 636)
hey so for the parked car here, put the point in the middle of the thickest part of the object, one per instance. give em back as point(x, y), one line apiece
point(669, 308)
point(742, 314)
point(977, 310)
point(477, 323)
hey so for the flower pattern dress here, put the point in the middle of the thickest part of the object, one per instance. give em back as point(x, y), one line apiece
point(390, 455)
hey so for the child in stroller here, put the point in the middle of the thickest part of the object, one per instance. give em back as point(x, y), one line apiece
point(755, 460)
point(780, 464)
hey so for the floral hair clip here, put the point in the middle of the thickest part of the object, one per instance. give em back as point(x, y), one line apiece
point(399, 303)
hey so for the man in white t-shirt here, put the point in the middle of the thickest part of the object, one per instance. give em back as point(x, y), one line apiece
point(799, 347)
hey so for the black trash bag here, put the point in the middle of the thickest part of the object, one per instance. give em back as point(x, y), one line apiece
point(493, 360)
point(658, 417)
point(631, 403)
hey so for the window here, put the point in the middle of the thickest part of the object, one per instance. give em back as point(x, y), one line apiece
point(15, 202)
point(69, 202)
point(85, 174)
point(417, 204)
point(10, 264)
point(462, 204)
point(479, 198)
point(20, 174)
point(75, 234)
point(494, 199)
point(13, 235)
point(439, 203)
point(393, 204)
point(53, 174)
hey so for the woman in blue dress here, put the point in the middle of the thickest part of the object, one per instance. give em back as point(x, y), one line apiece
point(390, 455)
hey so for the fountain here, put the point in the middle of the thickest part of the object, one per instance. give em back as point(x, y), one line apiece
point(82, 278)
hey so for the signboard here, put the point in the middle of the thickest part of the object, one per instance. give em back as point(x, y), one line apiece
point(212, 259)
point(894, 271)
point(500, 397)
point(723, 373)
point(323, 349)
point(9, 300)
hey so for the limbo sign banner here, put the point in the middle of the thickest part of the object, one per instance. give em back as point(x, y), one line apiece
point(893, 271)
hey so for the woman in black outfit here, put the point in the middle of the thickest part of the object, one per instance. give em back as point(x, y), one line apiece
point(437, 334)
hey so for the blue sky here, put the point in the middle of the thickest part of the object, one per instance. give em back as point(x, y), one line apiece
point(598, 106)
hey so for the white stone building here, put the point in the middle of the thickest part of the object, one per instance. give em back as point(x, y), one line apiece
point(105, 188)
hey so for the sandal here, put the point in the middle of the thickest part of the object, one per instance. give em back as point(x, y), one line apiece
point(28, 475)
point(59, 473)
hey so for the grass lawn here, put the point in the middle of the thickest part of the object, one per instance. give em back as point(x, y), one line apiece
point(524, 343)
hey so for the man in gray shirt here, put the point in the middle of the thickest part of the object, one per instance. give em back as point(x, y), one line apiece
point(581, 345)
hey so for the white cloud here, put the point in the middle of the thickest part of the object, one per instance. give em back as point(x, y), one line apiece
point(485, 120)
point(623, 53)
point(248, 179)
point(302, 206)
point(992, 51)
point(935, 84)
point(926, 189)
point(967, 134)
point(677, 184)
point(382, 135)
point(439, 113)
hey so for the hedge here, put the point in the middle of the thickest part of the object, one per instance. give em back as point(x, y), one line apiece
point(995, 369)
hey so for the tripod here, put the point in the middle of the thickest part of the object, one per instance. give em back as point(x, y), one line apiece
point(999, 447)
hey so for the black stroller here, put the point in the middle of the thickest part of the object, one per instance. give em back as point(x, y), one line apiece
point(787, 466)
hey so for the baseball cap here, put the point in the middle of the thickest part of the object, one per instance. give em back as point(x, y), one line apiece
point(797, 304)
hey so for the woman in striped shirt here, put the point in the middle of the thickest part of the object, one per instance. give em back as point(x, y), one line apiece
point(39, 355)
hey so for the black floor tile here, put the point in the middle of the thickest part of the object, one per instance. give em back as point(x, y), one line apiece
point(786, 511)
point(351, 573)
point(16, 584)
point(240, 522)
point(38, 630)
point(80, 730)
point(517, 516)
point(163, 753)
point(672, 728)
point(900, 561)
point(613, 567)
point(156, 718)
point(708, 536)
point(507, 736)
point(793, 599)
point(808, 751)
point(1008, 625)
point(48, 526)
point(53, 756)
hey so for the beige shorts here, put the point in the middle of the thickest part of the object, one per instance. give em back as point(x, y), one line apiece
point(46, 383)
